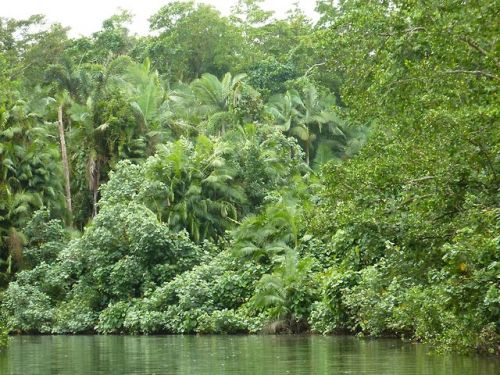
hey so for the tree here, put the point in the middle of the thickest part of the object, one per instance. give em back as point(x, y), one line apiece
point(423, 190)
point(64, 157)
point(30, 47)
point(113, 39)
point(203, 195)
point(149, 100)
point(106, 129)
point(193, 40)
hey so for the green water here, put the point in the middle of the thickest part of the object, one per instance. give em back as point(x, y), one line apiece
point(258, 355)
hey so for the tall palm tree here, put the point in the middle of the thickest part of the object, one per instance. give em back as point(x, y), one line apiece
point(64, 152)
point(77, 80)
point(92, 134)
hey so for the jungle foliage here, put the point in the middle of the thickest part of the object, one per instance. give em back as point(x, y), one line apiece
point(247, 174)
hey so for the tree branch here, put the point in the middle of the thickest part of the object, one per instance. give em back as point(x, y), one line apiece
point(481, 50)
point(312, 67)
point(420, 179)
point(475, 72)
point(407, 31)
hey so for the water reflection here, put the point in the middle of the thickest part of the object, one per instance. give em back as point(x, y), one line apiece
point(230, 355)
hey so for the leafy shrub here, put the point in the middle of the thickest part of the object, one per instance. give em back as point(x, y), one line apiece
point(112, 318)
point(28, 308)
point(140, 318)
point(74, 316)
point(331, 313)
point(222, 321)
point(46, 238)
point(186, 304)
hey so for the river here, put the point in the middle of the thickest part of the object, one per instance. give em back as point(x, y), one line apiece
point(259, 355)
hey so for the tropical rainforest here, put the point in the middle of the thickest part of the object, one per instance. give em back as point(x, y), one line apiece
point(250, 174)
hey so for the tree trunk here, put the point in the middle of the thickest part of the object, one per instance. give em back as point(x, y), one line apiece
point(64, 155)
point(95, 175)
point(307, 151)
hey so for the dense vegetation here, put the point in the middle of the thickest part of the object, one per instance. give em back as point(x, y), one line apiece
point(247, 174)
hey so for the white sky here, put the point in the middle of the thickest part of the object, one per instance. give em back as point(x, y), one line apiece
point(86, 16)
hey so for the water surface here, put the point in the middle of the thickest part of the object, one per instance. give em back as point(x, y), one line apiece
point(260, 355)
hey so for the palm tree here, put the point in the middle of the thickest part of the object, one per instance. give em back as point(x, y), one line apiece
point(183, 103)
point(307, 117)
point(92, 133)
point(215, 98)
point(144, 89)
point(30, 174)
point(287, 293)
point(268, 234)
point(200, 192)
point(152, 105)
point(78, 81)
point(283, 108)
point(64, 154)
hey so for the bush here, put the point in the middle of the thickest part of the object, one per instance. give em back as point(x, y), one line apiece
point(46, 238)
point(186, 304)
point(112, 318)
point(29, 309)
point(74, 316)
point(222, 322)
point(331, 314)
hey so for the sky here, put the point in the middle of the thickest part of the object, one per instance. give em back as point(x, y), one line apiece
point(86, 16)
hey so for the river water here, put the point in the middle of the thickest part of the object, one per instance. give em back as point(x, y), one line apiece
point(256, 355)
